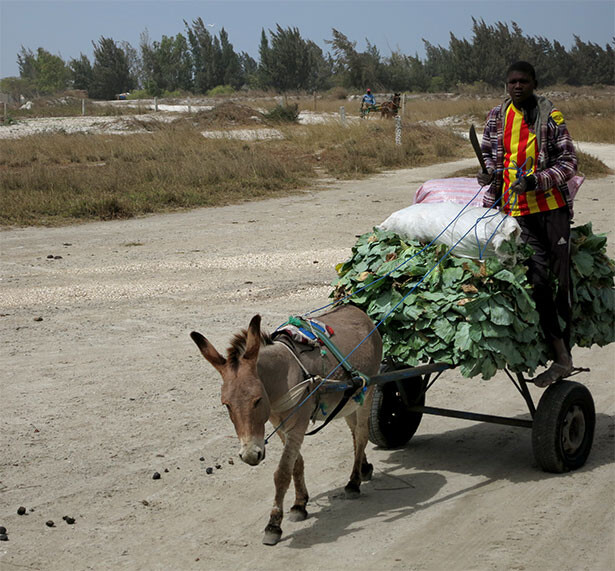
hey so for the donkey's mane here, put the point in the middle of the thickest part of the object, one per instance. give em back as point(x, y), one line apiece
point(238, 346)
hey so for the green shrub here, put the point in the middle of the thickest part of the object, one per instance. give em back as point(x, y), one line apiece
point(283, 113)
point(140, 94)
point(221, 90)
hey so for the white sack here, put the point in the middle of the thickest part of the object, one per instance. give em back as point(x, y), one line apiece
point(425, 221)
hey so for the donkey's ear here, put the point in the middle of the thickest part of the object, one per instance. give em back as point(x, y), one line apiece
point(253, 342)
point(208, 350)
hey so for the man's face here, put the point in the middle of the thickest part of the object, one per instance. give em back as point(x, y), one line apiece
point(520, 86)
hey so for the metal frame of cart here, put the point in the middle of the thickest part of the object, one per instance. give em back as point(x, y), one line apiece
point(562, 423)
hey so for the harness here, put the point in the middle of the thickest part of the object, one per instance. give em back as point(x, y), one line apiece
point(315, 333)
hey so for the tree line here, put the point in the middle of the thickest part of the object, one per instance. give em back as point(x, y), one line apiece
point(200, 62)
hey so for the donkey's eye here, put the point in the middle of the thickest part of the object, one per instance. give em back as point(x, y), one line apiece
point(257, 402)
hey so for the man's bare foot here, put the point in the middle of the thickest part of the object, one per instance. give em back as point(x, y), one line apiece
point(554, 373)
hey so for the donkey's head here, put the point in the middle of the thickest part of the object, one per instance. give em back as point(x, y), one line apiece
point(243, 393)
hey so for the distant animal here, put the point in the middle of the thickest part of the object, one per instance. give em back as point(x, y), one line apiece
point(390, 108)
point(263, 378)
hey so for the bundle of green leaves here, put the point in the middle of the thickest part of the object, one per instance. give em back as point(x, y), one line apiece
point(593, 296)
point(476, 315)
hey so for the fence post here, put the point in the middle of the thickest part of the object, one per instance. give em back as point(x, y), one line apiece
point(314, 101)
point(189, 106)
point(83, 107)
point(403, 105)
point(5, 114)
point(343, 115)
point(397, 130)
point(155, 103)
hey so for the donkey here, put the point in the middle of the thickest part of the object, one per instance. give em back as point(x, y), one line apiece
point(264, 379)
point(389, 109)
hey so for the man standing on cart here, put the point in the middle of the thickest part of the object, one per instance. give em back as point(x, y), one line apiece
point(530, 156)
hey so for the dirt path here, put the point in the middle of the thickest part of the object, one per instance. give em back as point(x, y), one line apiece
point(101, 387)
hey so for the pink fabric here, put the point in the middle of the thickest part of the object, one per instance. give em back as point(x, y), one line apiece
point(463, 190)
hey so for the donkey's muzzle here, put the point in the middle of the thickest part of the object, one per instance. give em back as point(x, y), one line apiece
point(252, 455)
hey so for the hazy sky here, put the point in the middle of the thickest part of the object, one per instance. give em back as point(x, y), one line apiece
point(68, 27)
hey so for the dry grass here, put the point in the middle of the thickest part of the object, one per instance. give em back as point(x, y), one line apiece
point(55, 179)
point(59, 179)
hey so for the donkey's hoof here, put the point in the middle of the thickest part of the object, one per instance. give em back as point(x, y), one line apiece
point(297, 513)
point(273, 534)
point(366, 472)
point(352, 491)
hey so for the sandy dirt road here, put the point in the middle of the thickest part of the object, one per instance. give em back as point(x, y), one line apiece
point(101, 387)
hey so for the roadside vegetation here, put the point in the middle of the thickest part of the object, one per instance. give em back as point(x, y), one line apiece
point(55, 179)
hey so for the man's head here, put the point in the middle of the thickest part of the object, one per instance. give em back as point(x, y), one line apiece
point(369, 91)
point(520, 81)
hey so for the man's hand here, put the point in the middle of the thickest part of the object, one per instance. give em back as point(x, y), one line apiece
point(485, 178)
point(523, 184)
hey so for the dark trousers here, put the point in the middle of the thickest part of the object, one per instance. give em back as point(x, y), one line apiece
point(549, 235)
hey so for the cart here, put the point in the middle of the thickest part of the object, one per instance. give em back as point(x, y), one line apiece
point(562, 424)
point(367, 109)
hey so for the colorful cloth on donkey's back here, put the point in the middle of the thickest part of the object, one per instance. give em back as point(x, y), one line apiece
point(305, 335)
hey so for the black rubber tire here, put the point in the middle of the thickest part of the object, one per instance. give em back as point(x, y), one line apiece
point(391, 424)
point(563, 429)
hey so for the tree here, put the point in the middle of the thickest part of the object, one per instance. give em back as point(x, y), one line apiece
point(201, 47)
point(249, 68)
point(133, 61)
point(358, 69)
point(592, 63)
point(166, 65)
point(48, 72)
point(230, 63)
point(290, 62)
point(264, 66)
point(81, 71)
point(404, 73)
point(110, 72)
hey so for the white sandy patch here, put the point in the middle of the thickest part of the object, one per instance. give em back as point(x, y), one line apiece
point(124, 125)
point(244, 134)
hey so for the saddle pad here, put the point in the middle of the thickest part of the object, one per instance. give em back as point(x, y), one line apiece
point(303, 334)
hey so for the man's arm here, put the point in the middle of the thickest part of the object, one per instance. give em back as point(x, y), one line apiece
point(490, 155)
point(562, 157)
point(489, 133)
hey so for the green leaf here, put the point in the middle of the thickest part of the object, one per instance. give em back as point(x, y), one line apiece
point(584, 263)
point(463, 341)
point(444, 330)
point(499, 314)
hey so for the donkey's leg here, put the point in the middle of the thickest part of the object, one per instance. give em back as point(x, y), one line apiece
point(361, 469)
point(281, 478)
point(363, 414)
point(352, 489)
point(298, 512)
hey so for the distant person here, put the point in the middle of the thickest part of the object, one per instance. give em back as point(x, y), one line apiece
point(528, 131)
point(368, 99)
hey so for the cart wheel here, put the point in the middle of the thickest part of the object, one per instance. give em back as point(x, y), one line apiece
point(391, 425)
point(563, 429)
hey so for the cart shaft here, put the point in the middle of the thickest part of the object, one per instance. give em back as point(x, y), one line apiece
point(410, 373)
point(471, 416)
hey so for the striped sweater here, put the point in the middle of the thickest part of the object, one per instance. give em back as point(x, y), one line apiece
point(555, 164)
